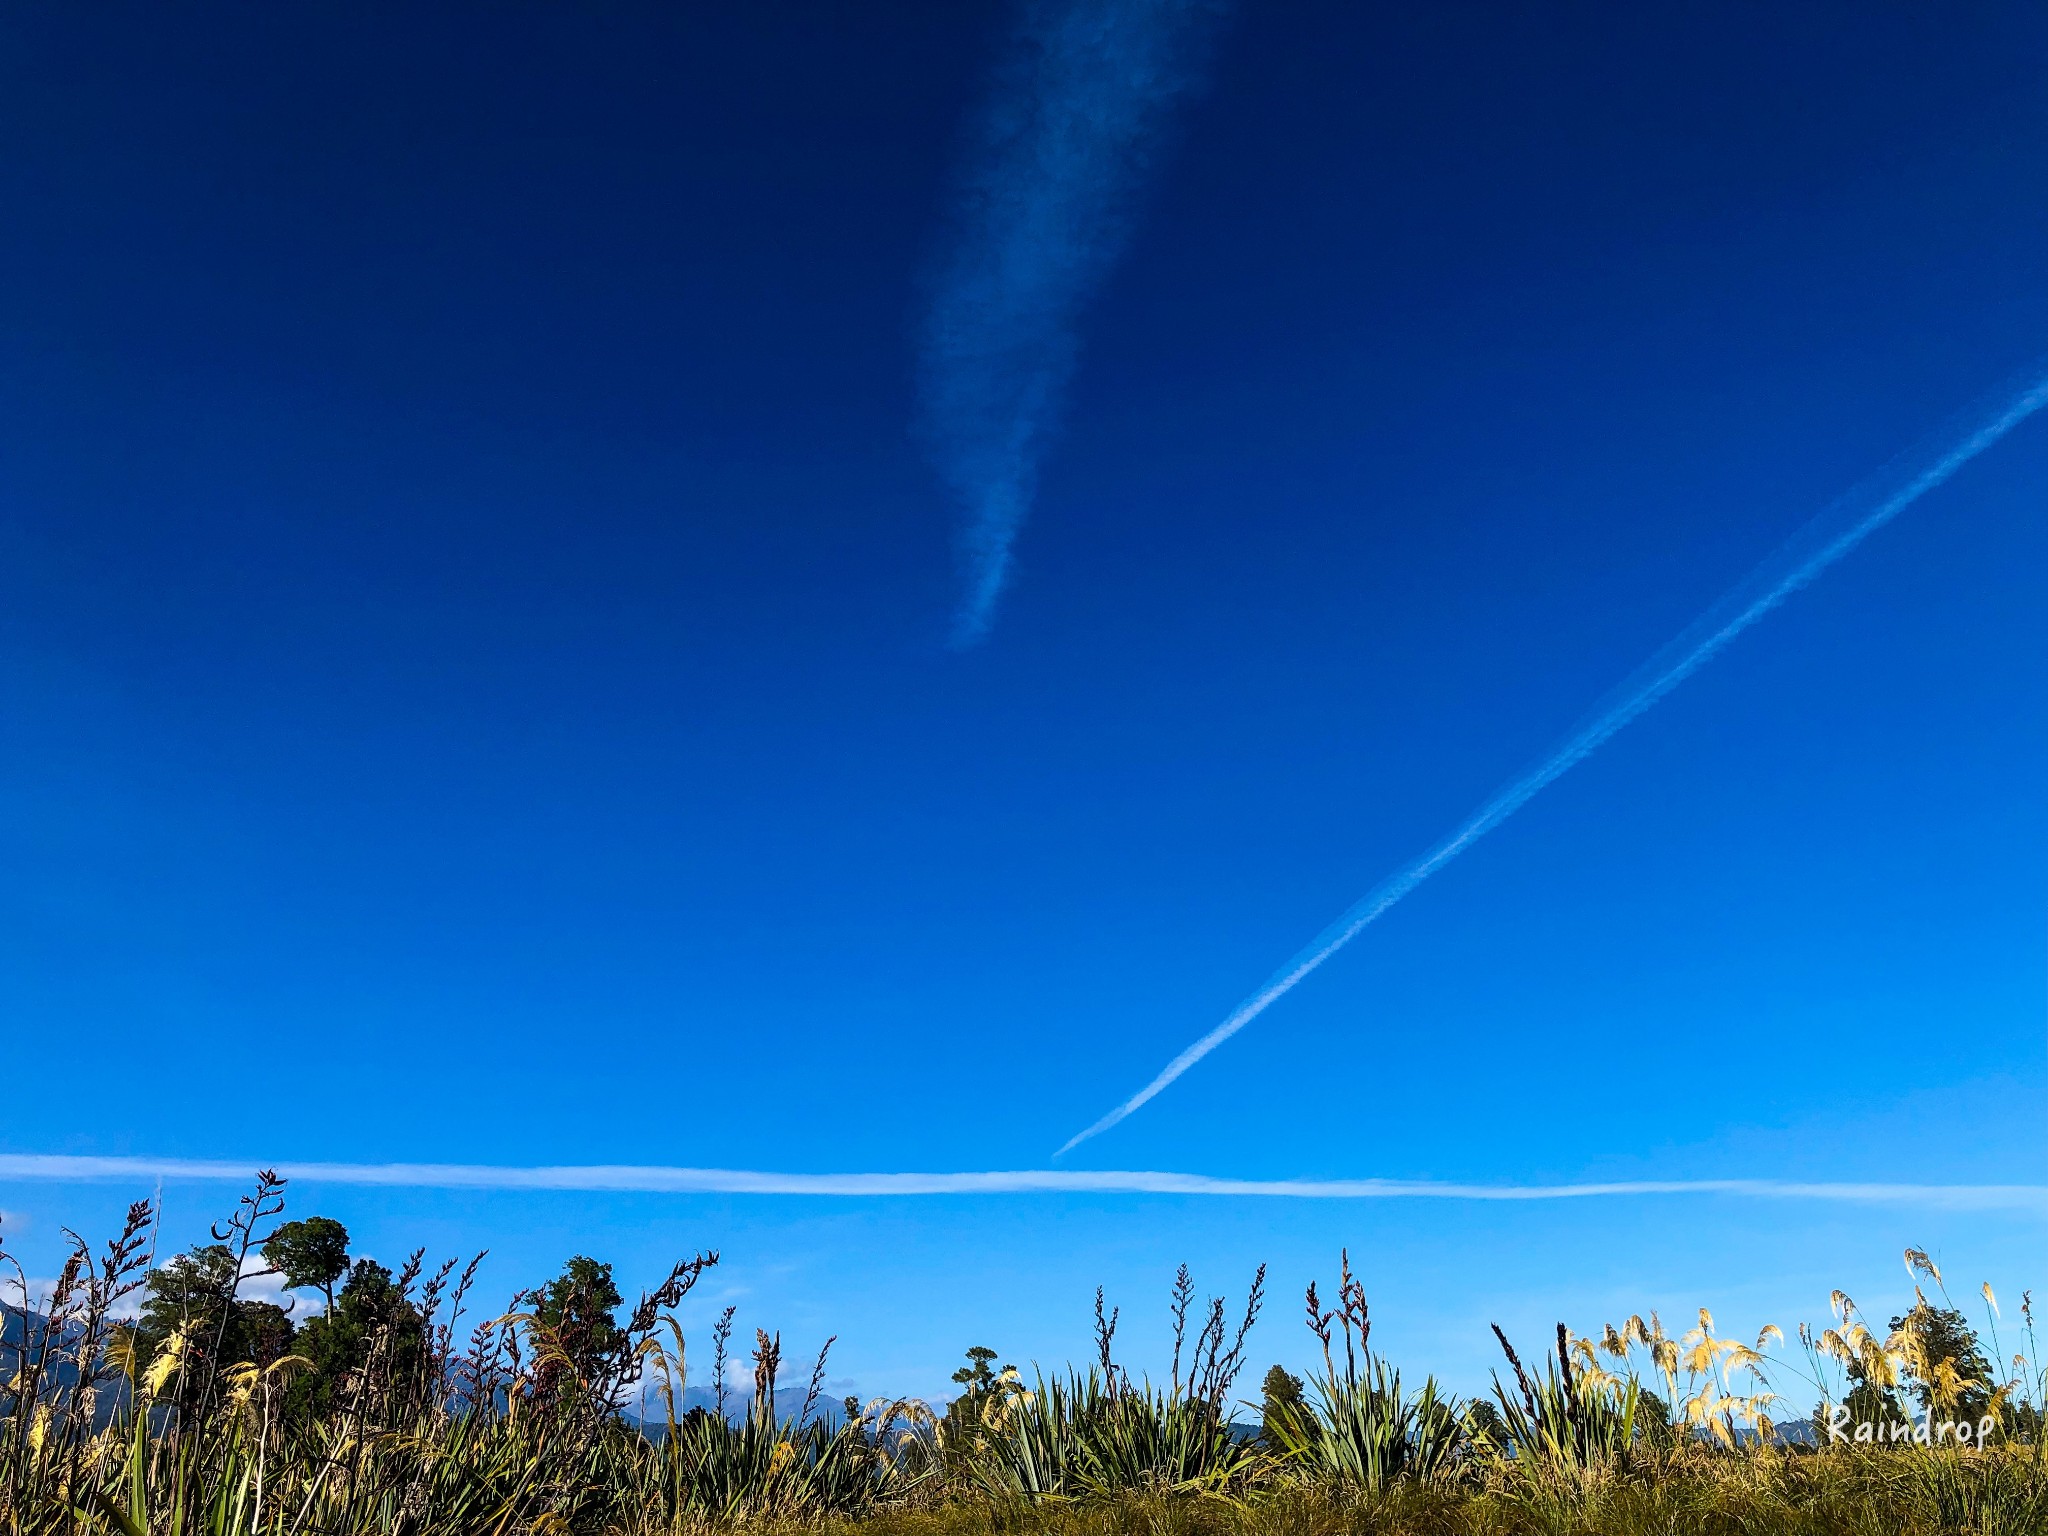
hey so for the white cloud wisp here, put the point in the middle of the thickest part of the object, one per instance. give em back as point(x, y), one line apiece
point(1070, 129)
point(632, 1179)
point(1837, 530)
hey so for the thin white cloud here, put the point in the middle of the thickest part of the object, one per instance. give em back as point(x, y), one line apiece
point(631, 1179)
point(1063, 147)
point(32, 1292)
point(1838, 529)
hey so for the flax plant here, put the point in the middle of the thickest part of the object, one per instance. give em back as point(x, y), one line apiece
point(1359, 1429)
point(1100, 1433)
point(1564, 1420)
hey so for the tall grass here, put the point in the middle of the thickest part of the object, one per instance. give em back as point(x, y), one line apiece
point(516, 1427)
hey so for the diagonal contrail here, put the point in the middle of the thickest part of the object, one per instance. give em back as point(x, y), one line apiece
point(1046, 207)
point(1827, 538)
point(642, 1179)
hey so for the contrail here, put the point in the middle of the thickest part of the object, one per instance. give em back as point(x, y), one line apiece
point(630, 1179)
point(1838, 529)
point(1076, 115)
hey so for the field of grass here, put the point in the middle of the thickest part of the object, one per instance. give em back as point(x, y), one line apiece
point(157, 1398)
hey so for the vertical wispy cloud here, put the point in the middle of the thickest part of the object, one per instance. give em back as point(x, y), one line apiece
point(1832, 534)
point(1072, 124)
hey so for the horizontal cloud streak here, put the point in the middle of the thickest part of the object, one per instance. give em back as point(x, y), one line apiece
point(1839, 528)
point(631, 1179)
point(1045, 210)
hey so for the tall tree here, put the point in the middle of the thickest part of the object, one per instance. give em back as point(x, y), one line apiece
point(1944, 1361)
point(313, 1252)
point(1283, 1409)
point(977, 1380)
point(372, 1322)
point(576, 1312)
point(193, 1296)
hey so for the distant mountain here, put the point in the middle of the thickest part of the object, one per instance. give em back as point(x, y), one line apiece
point(62, 1374)
point(789, 1403)
point(1795, 1432)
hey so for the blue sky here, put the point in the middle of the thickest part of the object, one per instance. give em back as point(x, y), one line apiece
point(475, 682)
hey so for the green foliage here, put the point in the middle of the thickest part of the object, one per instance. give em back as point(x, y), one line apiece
point(191, 1292)
point(1946, 1363)
point(1089, 1435)
point(978, 1380)
point(580, 1306)
point(1364, 1432)
point(709, 1470)
point(576, 1315)
point(1562, 1421)
point(194, 1296)
point(1486, 1432)
point(1867, 1402)
point(977, 1377)
point(372, 1317)
point(309, 1253)
point(1281, 1405)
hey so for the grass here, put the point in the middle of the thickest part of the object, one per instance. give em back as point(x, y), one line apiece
point(200, 1419)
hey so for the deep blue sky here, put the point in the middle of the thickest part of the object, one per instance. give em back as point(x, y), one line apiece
point(473, 682)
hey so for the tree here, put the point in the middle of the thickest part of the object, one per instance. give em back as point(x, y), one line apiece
point(1869, 1401)
point(194, 1295)
point(188, 1293)
point(976, 1376)
point(1483, 1424)
point(978, 1380)
point(1653, 1419)
point(575, 1313)
point(372, 1322)
point(1284, 1412)
point(268, 1331)
point(1944, 1361)
point(313, 1252)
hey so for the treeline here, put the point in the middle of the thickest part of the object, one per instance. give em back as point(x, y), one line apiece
point(197, 1329)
